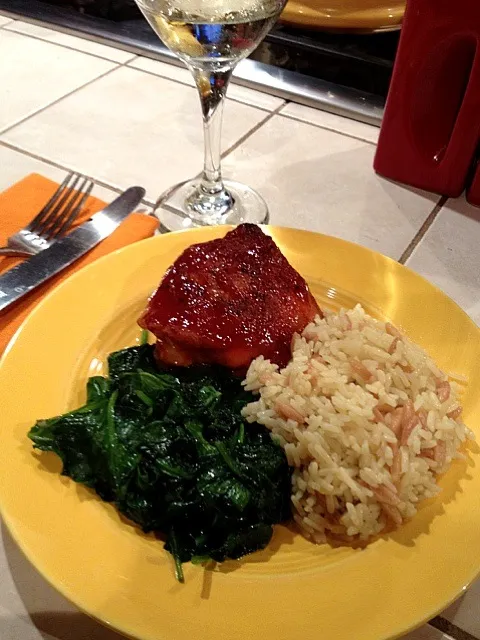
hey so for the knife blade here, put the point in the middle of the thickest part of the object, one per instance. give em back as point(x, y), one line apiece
point(28, 275)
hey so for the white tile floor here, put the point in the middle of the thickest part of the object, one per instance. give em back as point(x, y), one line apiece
point(72, 42)
point(141, 123)
point(183, 75)
point(34, 73)
point(449, 253)
point(15, 165)
point(320, 180)
point(129, 127)
point(332, 122)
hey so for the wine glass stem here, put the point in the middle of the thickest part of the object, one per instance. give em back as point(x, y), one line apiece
point(212, 87)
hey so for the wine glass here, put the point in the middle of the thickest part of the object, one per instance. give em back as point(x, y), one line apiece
point(211, 37)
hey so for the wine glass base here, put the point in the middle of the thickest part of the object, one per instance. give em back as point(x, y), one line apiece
point(175, 212)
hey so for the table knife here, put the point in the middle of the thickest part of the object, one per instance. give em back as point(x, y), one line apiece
point(28, 275)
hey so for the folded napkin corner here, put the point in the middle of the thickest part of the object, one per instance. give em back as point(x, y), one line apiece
point(19, 204)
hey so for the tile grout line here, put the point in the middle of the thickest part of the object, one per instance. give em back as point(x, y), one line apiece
point(66, 46)
point(98, 182)
point(159, 75)
point(231, 148)
point(192, 86)
point(224, 154)
point(447, 627)
point(326, 128)
point(251, 131)
point(127, 62)
point(66, 95)
point(57, 165)
point(423, 230)
point(285, 104)
point(242, 139)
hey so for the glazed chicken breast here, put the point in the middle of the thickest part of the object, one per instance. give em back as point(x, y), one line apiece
point(228, 301)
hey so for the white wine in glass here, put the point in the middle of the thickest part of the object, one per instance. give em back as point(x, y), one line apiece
point(211, 37)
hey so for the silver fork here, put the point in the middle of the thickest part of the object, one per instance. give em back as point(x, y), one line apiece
point(54, 220)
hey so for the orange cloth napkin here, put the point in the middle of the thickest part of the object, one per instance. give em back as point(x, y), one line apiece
point(18, 205)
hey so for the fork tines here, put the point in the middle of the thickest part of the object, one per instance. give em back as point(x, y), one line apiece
point(58, 215)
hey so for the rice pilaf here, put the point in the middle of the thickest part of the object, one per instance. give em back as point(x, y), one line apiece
point(367, 420)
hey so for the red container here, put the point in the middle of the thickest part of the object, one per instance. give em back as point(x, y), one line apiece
point(473, 193)
point(431, 128)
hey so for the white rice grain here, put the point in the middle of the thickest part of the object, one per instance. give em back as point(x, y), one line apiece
point(338, 409)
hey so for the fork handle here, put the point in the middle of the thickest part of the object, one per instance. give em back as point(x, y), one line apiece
point(7, 251)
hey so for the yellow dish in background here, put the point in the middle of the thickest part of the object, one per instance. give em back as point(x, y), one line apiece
point(345, 15)
point(293, 589)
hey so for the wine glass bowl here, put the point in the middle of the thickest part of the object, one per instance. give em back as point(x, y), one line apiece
point(211, 37)
point(215, 38)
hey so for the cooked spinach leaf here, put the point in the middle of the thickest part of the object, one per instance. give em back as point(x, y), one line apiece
point(171, 450)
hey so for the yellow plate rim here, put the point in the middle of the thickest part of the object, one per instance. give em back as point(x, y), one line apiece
point(300, 12)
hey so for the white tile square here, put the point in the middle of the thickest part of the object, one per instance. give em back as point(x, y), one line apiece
point(465, 612)
point(72, 42)
point(33, 74)
point(182, 74)
point(449, 256)
point(332, 122)
point(16, 165)
point(163, 69)
point(319, 180)
point(427, 632)
point(130, 128)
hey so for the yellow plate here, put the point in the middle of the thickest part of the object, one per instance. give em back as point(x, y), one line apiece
point(339, 15)
point(291, 591)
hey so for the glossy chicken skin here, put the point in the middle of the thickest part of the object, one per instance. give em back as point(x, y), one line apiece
point(228, 301)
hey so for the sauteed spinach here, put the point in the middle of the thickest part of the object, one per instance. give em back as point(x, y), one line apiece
point(170, 449)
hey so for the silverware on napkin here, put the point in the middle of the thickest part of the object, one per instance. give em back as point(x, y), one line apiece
point(25, 277)
point(53, 220)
